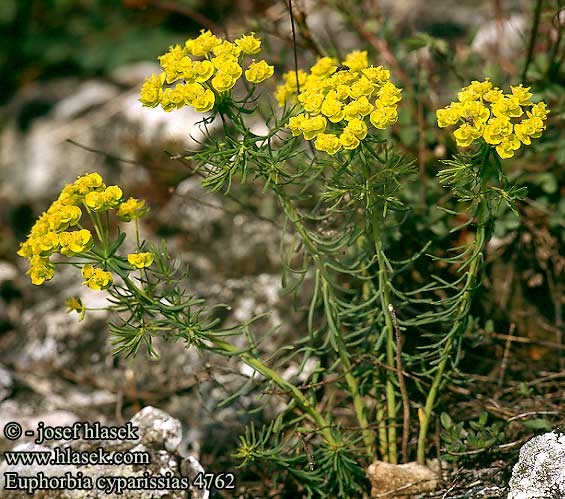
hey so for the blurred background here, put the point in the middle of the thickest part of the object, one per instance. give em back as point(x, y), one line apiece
point(71, 73)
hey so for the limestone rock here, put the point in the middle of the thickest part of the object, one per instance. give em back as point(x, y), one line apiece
point(540, 470)
point(400, 481)
point(157, 427)
point(505, 38)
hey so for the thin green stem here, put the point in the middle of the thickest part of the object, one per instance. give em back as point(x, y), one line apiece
point(137, 231)
point(460, 322)
point(381, 424)
point(248, 359)
point(96, 226)
point(384, 292)
point(358, 401)
point(272, 375)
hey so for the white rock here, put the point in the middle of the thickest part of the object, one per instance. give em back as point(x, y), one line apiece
point(504, 37)
point(540, 470)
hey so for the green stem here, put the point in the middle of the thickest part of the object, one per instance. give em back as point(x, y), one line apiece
point(459, 324)
point(251, 361)
point(460, 321)
point(383, 438)
point(358, 401)
point(96, 225)
point(384, 291)
point(272, 375)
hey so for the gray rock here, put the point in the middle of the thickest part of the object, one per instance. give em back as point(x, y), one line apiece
point(540, 470)
point(157, 427)
point(504, 38)
point(8, 272)
point(37, 160)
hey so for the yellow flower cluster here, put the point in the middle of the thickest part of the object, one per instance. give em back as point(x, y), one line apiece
point(96, 278)
point(131, 209)
point(52, 232)
point(484, 112)
point(140, 260)
point(340, 101)
point(202, 80)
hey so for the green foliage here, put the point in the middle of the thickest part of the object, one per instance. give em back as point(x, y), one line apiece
point(465, 439)
point(52, 38)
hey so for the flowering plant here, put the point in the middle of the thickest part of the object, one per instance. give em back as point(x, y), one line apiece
point(357, 314)
point(53, 232)
point(207, 79)
point(341, 95)
point(484, 112)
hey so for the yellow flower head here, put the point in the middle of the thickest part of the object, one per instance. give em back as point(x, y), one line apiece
point(314, 126)
point(46, 245)
point(259, 72)
point(383, 117)
point(348, 140)
point(228, 49)
point(74, 304)
point(296, 124)
point(377, 76)
point(202, 71)
point(112, 196)
point(140, 260)
point(324, 67)
point(507, 147)
point(204, 101)
point(485, 113)
point(248, 44)
point(358, 128)
point(52, 232)
point(151, 91)
point(332, 108)
point(466, 134)
point(362, 87)
point(341, 103)
point(62, 217)
point(96, 278)
point(95, 201)
point(211, 63)
point(311, 101)
point(223, 82)
point(169, 63)
point(131, 209)
point(73, 243)
point(356, 60)
point(41, 270)
point(327, 142)
point(523, 94)
point(202, 45)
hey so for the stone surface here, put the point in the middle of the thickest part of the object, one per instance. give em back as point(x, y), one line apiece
point(540, 470)
point(37, 159)
point(400, 481)
point(504, 39)
point(159, 436)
